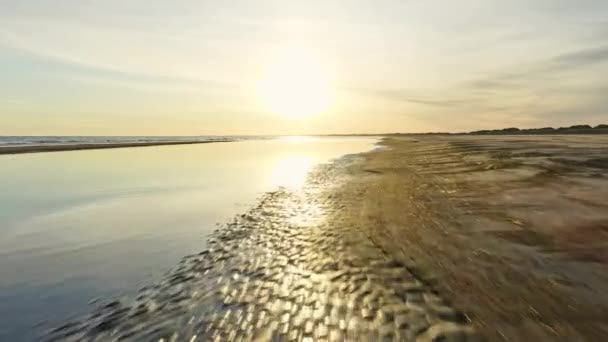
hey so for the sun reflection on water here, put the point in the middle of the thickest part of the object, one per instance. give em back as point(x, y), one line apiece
point(291, 171)
point(298, 138)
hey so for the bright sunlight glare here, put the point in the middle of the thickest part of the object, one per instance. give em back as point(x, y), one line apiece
point(291, 171)
point(296, 85)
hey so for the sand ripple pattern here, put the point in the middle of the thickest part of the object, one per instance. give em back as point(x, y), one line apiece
point(284, 271)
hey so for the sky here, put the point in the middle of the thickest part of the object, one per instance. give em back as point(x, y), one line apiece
point(194, 67)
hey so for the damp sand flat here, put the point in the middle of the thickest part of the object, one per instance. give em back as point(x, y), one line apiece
point(513, 229)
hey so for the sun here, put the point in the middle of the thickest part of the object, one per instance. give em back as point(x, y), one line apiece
point(296, 85)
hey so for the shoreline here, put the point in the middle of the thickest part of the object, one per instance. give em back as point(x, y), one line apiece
point(96, 146)
point(425, 238)
point(286, 267)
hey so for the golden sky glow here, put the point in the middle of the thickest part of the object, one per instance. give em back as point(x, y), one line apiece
point(297, 84)
point(186, 67)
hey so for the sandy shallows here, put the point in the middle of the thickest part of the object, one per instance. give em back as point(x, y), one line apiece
point(295, 267)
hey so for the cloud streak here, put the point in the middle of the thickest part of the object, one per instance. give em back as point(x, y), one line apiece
point(560, 87)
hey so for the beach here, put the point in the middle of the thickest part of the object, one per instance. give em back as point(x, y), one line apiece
point(303, 171)
point(512, 229)
point(462, 238)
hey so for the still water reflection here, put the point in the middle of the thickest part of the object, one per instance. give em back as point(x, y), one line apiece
point(79, 225)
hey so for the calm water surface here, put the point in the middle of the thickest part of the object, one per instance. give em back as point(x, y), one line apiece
point(80, 225)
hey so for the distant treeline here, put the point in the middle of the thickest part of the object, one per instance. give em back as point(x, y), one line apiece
point(576, 129)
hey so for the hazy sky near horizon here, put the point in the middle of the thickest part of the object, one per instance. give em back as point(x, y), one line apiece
point(192, 67)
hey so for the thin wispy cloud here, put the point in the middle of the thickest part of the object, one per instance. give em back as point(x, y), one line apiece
point(585, 57)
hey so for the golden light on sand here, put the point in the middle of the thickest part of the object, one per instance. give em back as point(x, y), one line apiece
point(297, 85)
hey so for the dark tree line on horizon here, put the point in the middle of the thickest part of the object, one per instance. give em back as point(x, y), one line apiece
point(576, 129)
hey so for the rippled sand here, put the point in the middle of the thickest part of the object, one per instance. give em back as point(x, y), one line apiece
point(513, 229)
point(430, 238)
point(292, 268)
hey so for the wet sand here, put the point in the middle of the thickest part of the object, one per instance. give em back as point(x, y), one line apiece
point(430, 238)
point(513, 229)
point(97, 146)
